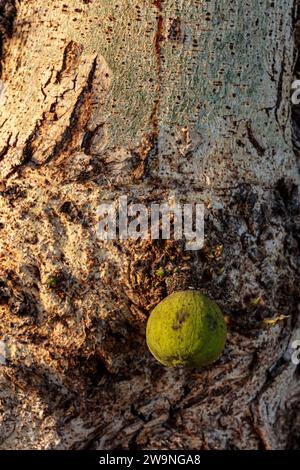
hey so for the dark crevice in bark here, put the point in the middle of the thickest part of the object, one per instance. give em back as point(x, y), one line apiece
point(43, 87)
point(29, 146)
point(157, 46)
point(67, 135)
point(6, 148)
point(7, 15)
point(87, 140)
point(258, 147)
point(27, 152)
point(71, 54)
point(279, 87)
point(150, 150)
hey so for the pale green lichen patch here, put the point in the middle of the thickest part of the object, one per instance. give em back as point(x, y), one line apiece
point(199, 84)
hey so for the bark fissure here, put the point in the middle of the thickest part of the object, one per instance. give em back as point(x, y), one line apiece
point(27, 152)
point(66, 137)
point(149, 146)
point(158, 38)
point(6, 147)
point(258, 147)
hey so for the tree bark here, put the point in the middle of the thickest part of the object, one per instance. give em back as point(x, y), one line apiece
point(147, 99)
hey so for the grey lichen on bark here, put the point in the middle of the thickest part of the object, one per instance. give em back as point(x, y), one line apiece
point(106, 98)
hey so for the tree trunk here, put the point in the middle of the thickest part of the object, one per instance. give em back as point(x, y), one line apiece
point(147, 99)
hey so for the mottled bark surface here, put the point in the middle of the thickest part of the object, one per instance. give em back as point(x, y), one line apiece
point(146, 98)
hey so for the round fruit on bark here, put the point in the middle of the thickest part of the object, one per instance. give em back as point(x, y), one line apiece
point(186, 329)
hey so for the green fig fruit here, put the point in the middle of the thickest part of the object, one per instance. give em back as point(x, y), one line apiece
point(186, 329)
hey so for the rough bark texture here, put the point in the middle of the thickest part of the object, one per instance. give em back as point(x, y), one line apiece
point(146, 98)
